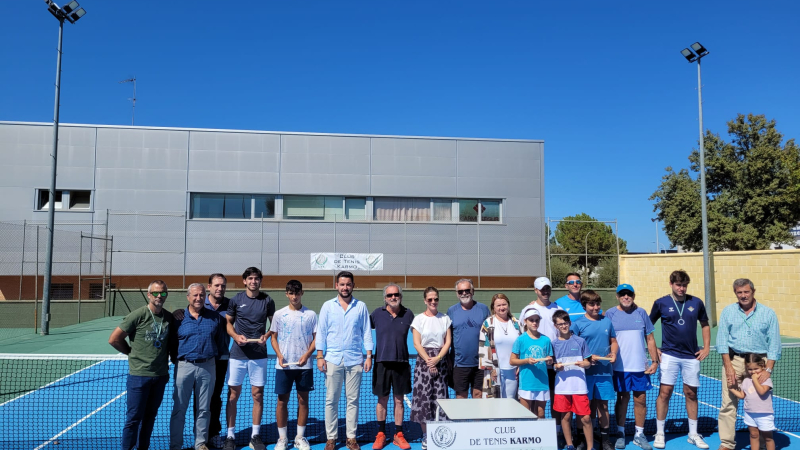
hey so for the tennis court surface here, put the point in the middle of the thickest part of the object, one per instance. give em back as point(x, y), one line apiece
point(70, 401)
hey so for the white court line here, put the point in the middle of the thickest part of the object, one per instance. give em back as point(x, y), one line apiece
point(776, 396)
point(737, 415)
point(50, 384)
point(82, 419)
point(408, 402)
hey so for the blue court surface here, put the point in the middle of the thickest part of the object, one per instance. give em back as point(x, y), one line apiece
point(79, 402)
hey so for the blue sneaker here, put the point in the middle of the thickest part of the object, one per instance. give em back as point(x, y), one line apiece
point(641, 441)
point(620, 444)
point(569, 447)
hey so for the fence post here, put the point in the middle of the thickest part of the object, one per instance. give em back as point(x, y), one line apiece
point(405, 254)
point(22, 262)
point(478, 231)
point(185, 233)
point(113, 307)
point(261, 249)
point(105, 255)
point(80, 274)
point(36, 287)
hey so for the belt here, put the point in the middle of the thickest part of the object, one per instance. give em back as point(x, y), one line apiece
point(743, 355)
point(195, 361)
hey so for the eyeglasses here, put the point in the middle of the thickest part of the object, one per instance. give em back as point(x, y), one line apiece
point(394, 294)
point(571, 282)
point(432, 299)
point(159, 294)
point(563, 324)
point(464, 291)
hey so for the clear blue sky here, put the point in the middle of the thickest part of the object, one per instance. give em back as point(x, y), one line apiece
point(602, 83)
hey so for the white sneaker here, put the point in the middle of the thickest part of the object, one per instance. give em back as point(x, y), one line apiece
point(659, 441)
point(300, 443)
point(281, 444)
point(216, 441)
point(697, 440)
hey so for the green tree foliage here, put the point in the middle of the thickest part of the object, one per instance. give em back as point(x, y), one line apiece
point(753, 186)
point(607, 273)
point(571, 236)
point(558, 269)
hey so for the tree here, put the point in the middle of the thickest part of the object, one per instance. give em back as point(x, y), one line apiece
point(571, 236)
point(753, 187)
point(607, 273)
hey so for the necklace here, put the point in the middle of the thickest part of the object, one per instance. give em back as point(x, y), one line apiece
point(505, 329)
point(680, 310)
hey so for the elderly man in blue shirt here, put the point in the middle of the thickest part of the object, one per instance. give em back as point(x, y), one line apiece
point(744, 327)
point(200, 336)
point(343, 329)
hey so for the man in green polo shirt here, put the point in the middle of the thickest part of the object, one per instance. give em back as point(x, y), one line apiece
point(148, 329)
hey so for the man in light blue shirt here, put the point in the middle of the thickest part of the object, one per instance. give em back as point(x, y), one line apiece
point(343, 329)
point(571, 302)
point(744, 327)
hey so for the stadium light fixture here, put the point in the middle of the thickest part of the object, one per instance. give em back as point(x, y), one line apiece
point(699, 53)
point(71, 13)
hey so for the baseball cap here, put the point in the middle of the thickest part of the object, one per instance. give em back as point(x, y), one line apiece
point(530, 312)
point(542, 282)
point(625, 287)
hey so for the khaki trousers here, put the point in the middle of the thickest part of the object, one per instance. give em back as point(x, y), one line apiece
point(730, 405)
point(337, 375)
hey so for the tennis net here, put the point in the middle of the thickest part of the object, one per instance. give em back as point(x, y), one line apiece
point(77, 401)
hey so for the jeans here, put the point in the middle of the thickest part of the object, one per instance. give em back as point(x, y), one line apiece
point(197, 378)
point(144, 398)
point(351, 377)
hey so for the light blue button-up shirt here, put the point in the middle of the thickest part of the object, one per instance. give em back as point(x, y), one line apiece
point(342, 335)
point(757, 332)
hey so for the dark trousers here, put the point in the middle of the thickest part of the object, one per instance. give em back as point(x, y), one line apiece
point(144, 397)
point(215, 427)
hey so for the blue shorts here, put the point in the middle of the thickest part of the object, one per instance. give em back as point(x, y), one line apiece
point(631, 381)
point(600, 387)
point(284, 379)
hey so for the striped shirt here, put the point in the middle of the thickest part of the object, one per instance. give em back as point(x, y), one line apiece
point(757, 332)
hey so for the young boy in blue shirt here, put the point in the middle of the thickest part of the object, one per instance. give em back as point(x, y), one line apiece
point(572, 358)
point(598, 332)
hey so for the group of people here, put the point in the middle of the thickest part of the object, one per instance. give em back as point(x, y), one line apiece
point(568, 352)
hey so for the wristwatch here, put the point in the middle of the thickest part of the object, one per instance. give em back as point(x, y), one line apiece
point(769, 370)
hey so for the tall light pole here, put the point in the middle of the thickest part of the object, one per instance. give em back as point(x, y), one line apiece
point(697, 53)
point(133, 99)
point(71, 13)
point(656, 222)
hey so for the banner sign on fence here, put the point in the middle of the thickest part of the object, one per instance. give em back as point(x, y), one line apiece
point(495, 435)
point(347, 261)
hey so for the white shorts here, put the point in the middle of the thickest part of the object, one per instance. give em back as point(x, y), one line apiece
point(671, 366)
point(762, 421)
point(539, 396)
point(256, 368)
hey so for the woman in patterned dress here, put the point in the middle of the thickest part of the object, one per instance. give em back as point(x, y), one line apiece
point(432, 338)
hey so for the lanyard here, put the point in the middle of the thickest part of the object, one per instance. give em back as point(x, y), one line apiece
point(680, 310)
point(157, 341)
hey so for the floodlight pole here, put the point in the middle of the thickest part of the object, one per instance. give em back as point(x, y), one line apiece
point(51, 211)
point(710, 302)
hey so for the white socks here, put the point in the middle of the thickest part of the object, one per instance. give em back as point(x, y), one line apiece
point(639, 431)
point(660, 426)
point(301, 430)
point(282, 432)
point(231, 433)
point(692, 427)
point(255, 429)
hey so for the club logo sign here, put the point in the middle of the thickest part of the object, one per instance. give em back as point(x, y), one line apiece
point(347, 261)
point(443, 436)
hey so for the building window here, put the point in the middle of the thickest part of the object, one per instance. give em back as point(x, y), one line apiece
point(355, 208)
point(442, 210)
point(470, 210)
point(398, 209)
point(313, 207)
point(61, 291)
point(490, 210)
point(74, 200)
point(232, 206)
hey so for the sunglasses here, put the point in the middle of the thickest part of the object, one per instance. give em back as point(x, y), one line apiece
point(626, 293)
point(436, 299)
point(159, 294)
point(464, 291)
point(394, 294)
point(571, 282)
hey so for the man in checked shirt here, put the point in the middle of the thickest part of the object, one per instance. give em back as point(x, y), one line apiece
point(744, 327)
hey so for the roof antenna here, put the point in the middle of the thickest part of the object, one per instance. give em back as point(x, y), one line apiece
point(133, 109)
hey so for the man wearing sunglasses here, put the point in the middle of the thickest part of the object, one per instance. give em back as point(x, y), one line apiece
point(467, 316)
point(391, 323)
point(571, 302)
point(149, 330)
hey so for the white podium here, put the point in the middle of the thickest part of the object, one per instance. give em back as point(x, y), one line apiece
point(496, 423)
